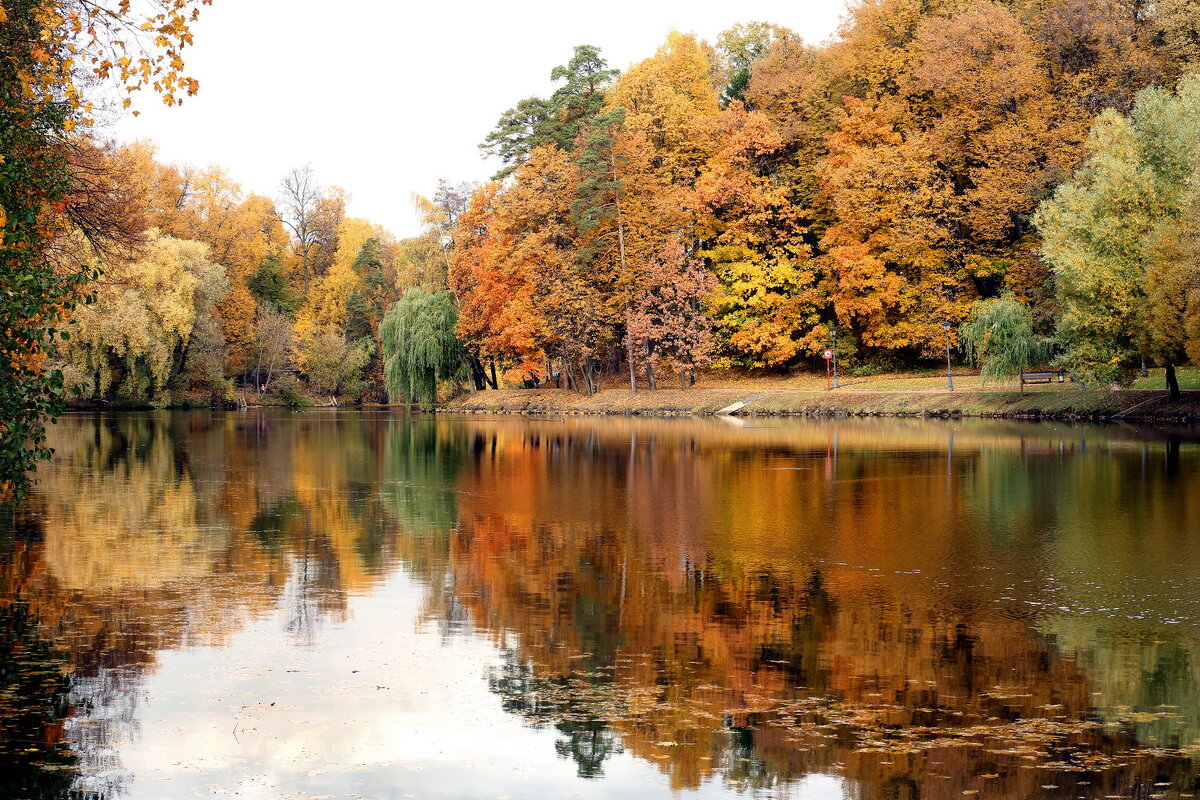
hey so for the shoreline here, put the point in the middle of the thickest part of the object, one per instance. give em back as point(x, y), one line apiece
point(1093, 405)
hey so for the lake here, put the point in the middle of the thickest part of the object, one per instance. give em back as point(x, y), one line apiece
point(324, 604)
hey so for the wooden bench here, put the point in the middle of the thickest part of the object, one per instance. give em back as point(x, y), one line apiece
point(1049, 376)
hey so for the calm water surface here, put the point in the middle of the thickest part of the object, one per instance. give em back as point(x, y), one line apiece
point(359, 605)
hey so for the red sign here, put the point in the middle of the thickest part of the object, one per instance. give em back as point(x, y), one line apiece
point(828, 354)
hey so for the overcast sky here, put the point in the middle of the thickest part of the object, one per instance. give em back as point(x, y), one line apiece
point(385, 97)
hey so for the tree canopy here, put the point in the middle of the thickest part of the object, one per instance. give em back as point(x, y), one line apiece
point(1121, 236)
point(1014, 168)
point(48, 185)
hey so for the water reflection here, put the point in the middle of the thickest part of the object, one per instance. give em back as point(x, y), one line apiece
point(871, 609)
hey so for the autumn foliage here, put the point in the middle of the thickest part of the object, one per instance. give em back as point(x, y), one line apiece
point(731, 204)
point(882, 184)
point(50, 187)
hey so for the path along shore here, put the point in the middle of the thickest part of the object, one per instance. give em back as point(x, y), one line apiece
point(1064, 404)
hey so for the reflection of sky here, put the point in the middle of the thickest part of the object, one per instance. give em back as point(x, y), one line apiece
point(377, 706)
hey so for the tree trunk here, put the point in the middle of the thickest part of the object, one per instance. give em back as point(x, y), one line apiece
point(495, 383)
point(1172, 382)
point(589, 376)
point(682, 378)
point(570, 374)
point(469, 363)
point(629, 353)
point(650, 371)
point(624, 273)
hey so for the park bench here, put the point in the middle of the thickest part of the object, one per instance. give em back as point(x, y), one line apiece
point(1047, 376)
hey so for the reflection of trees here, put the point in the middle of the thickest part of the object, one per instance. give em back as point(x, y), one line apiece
point(566, 703)
point(35, 760)
point(729, 604)
point(822, 604)
point(421, 460)
point(156, 531)
point(1143, 675)
point(1117, 526)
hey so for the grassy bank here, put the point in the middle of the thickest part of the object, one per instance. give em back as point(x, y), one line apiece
point(1056, 403)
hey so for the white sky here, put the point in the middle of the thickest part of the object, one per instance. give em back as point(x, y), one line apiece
point(385, 97)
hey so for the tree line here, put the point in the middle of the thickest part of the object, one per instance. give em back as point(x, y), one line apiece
point(52, 197)
point(730, 204)
point(223, 293)
point(735, 203)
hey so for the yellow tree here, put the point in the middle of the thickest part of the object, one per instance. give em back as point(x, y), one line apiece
point(49, 47)
point(1098, 53)
point(1176, 29)
point(160, 191)
point(752, 231)
point(328, 303)
point(129, 341)
point(424, 260)
point(242, 233)
point(664, 95)
point(346, 303)
point(954, 132)
point(793, 85)
point(985, 109)
point(886, 251)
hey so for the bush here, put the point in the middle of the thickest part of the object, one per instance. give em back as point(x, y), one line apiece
point(285, 391)
point(333, 365)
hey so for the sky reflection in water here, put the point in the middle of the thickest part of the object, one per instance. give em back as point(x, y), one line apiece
point(361, 605)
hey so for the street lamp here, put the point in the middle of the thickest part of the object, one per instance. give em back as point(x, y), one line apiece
point(833, 333)
point(949, 374)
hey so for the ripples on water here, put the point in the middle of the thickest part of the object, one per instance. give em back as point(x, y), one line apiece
point(361, 605)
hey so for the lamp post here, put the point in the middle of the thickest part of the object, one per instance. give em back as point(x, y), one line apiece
point(833, 347)
point(949, 374)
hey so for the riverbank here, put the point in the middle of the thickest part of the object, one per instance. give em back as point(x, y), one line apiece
point(1066, 404)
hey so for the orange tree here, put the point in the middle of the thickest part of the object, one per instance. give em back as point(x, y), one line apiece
point(48, 49)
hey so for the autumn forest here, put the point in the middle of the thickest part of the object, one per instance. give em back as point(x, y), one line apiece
point(726, 204)
point(296, 504)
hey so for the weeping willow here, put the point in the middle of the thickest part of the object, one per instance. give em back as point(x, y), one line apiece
point(999, 337)
point(419, 346)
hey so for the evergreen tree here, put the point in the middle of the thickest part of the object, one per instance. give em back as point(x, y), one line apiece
point(581, 97)
point(535, 122)
point(519, 130)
